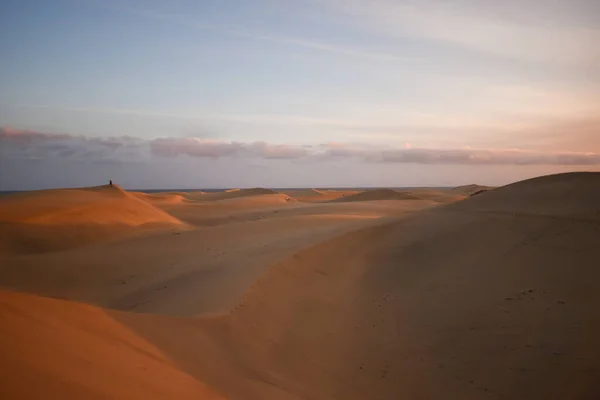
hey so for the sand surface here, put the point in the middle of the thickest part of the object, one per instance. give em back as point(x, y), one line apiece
point(263, 295)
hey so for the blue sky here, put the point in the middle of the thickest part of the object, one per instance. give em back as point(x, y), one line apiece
point(269, 92)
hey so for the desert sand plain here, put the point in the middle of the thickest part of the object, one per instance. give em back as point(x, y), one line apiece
point(303, 294)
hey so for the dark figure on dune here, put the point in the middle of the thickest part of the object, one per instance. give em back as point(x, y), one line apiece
point(110, 183)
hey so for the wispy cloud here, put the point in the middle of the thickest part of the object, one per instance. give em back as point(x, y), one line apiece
point(321, 46)
point(377, 119)
point(467, 23)
point(472, 24)
point(16, 143)
point(274, 119)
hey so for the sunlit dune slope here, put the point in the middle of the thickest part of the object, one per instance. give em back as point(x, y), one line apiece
point(54, 349)
point(161, 198)
point(51, 220)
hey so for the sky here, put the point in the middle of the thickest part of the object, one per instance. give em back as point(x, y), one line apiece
point(296, 93)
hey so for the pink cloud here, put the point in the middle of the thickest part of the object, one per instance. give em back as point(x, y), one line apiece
point(27, 144)
point(276, 151)
point(17, 143)
point(193, 147)
point(25, 136)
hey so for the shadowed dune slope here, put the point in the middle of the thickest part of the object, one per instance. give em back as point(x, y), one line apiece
point(50, 220)
point(376, 194)
point(439, 196)
point(321, 195)
point(573, 194)
point(300, 193)
point(468, 190)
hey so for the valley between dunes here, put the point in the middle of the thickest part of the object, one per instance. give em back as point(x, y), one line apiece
point(303, 294)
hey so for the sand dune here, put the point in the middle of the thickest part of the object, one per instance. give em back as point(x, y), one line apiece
point(575, 194)
point(496, 296)
point(226, 210)
point(468, 190)
point(52, 220)
point(302, 194)
point(102, 205)
point(439, 196)
point(325, 195)
point(162, 198)
point(376, 194)
point(53, 349)
point(235, 193)
point(203, 269)
point(452, 303)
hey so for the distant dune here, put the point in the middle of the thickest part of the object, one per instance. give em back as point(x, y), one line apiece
point(234, 193)
point(162, 198)
point(376, 194)
point(318, 195)
point(495, 296)
point(439, 196)
point(302, 193)
point(468, 190)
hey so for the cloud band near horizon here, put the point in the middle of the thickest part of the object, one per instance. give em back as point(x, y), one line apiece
point(27, 144)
